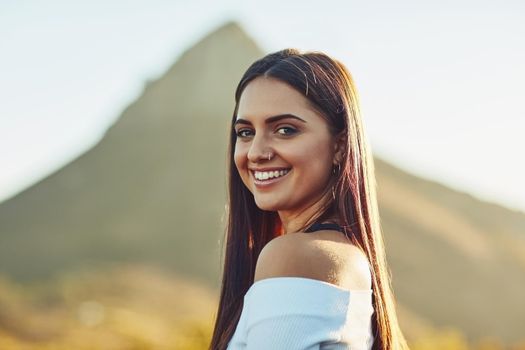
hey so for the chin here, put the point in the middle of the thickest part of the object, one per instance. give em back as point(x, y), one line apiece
point(267, 206)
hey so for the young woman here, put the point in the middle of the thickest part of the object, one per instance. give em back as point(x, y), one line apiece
point(305, 263)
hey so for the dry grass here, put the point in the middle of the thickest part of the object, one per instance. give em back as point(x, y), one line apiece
point(139, 308)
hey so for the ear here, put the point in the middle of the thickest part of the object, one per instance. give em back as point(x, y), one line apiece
point(339, 148)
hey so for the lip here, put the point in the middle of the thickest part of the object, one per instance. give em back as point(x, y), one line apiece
point(263, 184)
point(268, 169)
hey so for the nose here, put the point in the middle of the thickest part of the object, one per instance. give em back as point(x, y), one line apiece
point(260, 147)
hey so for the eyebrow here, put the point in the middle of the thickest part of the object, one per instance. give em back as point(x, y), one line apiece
point(271, 119)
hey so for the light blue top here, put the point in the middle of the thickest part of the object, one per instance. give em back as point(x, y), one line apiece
point(297, 313)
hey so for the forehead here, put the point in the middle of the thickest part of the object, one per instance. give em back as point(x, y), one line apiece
point(268, 96)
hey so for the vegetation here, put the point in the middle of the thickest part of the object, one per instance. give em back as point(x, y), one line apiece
point(130, 307)
point(153, 191)
point(136, 308)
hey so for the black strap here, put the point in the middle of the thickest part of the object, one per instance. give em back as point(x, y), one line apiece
point(319, 226)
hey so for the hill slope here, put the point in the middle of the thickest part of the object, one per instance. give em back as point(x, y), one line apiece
point(153, 190)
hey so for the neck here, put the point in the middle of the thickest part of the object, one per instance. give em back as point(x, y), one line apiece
point(294, 220)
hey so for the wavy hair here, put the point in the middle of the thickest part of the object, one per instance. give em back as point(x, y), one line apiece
point(329, 87)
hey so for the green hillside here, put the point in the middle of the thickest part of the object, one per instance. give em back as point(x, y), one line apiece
point(152, 189)
point(153, 192)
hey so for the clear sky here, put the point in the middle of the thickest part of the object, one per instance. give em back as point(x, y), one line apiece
point(442, 83)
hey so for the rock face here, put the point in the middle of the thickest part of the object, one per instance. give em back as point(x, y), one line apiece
point(154, 189)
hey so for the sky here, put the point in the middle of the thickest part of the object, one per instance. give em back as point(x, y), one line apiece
point(441, 83)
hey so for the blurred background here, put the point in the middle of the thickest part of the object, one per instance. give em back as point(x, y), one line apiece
point(114, 118)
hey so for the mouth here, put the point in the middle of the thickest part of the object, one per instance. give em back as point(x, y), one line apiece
point(266, 178)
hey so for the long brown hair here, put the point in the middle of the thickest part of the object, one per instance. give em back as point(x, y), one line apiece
point(329, 87)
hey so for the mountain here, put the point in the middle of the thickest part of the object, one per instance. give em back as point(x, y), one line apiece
point(455, 260)
point(153, 190)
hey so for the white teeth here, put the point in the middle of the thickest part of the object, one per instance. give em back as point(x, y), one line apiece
point(265, 175)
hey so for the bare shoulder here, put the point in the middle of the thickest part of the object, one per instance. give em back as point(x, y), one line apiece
point(327, 256)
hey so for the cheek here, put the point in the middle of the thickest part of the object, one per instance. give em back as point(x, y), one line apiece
point(240, 159)
point(311, 155)
point(241, 163)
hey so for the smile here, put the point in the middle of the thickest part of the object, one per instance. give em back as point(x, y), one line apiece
point(264, 178)
point(265, 175)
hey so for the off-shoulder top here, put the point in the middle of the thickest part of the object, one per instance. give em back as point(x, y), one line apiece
point(297, 313)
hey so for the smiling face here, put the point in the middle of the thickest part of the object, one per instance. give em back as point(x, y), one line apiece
point(273, 118)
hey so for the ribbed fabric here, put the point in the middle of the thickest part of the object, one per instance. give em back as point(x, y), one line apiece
point(297, 313)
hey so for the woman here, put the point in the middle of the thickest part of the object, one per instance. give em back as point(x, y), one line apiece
point(305, 264)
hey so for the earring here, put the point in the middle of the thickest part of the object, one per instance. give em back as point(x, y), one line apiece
point(334, 171)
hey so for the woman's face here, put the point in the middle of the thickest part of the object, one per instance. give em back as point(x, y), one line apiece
point(273, 118)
